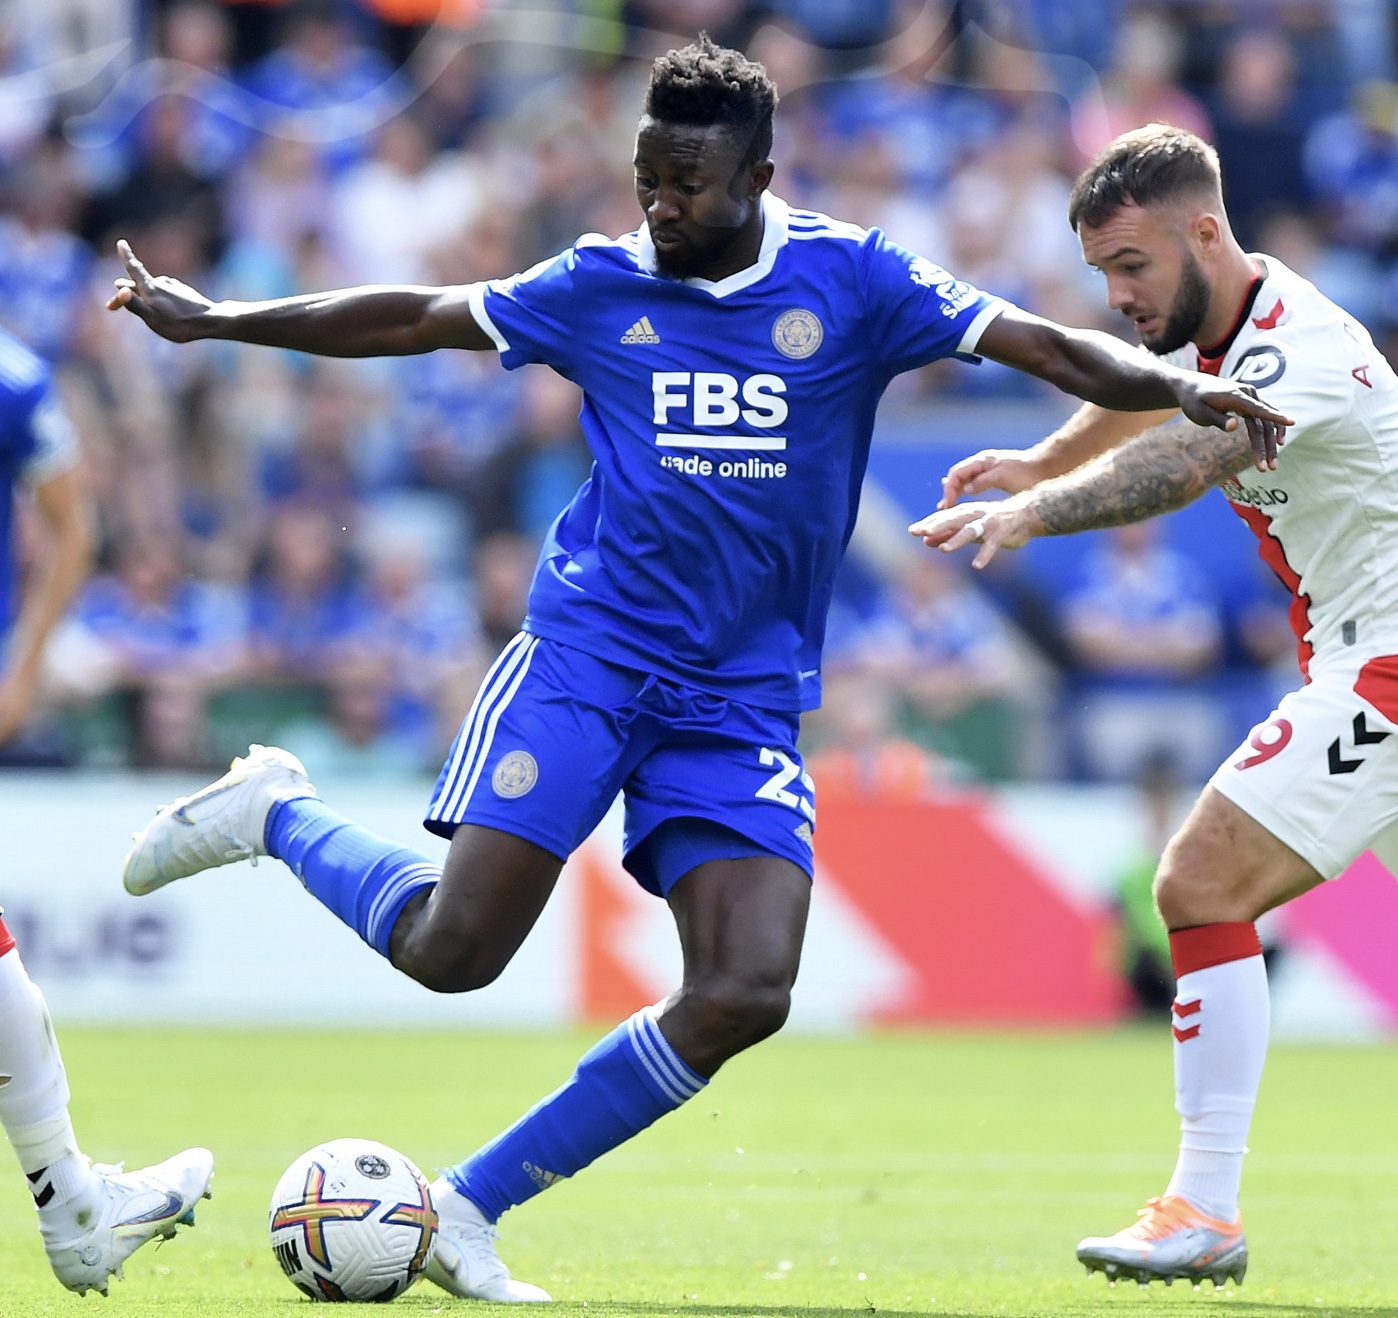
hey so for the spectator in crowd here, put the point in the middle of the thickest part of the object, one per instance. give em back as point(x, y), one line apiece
point(504, 565)
point(451, 103)
point(165, 643)
point(947, 659)
point(1146, 627)
point(66, 29)
point(927, 124)
point(1141, 87)
point(552, 456)
point(278, 207)
point(424, 629)
point(456, 422)
point(1259, 138)
point(1080, 29)
point(798, 67)
point(868, 188)
point(859, 752)
point(1351, 162)
point(323, 467)
point(836, 24)
point(44, 266)
point(303, 608)
point(198, 43)
point(343, 90)
point(26, 99)
point(163, 185)
point(388, 212)
point(727, 21)
point(362, 734)
point(569, 183)
point(215, 122)
point(959, 669)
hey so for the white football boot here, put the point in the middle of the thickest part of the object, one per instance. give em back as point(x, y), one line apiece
point(1170, 1239)
point(221, 824)
point(137, 1207)
point(465, 1263)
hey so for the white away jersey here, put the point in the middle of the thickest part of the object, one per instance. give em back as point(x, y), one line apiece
point(1327, 518)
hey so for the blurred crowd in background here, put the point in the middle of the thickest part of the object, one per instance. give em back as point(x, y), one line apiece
point(330, 553)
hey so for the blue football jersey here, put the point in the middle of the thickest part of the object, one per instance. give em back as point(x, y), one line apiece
point(729, 425)
point(36, 443)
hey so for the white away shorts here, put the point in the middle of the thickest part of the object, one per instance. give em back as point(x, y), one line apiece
point(1322, 773)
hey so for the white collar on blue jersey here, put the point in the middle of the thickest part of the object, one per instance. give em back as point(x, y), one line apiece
point(774, 235)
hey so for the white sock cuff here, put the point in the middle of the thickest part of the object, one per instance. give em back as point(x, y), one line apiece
point(671, 1073)
point(42, 1143)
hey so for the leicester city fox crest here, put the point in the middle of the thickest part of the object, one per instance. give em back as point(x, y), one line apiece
point(515, 775)
point(797, 333)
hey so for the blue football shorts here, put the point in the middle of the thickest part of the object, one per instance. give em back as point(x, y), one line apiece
point(554, 734)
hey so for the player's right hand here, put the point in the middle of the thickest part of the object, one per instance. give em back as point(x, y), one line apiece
point(172, 309)
point(1011, 470)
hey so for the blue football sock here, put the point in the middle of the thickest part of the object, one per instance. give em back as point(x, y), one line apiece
point(627, 1081)
point(361, 877)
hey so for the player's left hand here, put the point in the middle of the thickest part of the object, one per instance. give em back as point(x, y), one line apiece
point(994, 526)
point(1211, 402)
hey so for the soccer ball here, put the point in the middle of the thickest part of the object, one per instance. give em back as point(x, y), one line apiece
point(352, 1220)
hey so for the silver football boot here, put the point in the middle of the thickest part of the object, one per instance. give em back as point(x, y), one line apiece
point(1170, 1239)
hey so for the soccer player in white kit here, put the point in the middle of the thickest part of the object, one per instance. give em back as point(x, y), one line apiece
point(91, 1217)
point(1317, 783)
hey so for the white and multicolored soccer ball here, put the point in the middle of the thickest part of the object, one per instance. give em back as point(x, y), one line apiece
point(352, 1220)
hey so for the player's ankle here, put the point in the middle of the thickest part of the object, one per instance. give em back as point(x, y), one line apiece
point(68, 1195)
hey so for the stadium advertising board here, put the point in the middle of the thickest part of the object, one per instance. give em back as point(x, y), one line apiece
point(967, 909)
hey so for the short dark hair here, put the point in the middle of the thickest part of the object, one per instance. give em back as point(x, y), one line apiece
point(1150, 164)
point(705, 83)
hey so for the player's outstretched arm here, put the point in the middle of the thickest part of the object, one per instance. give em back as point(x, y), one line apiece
point(1103, 370)
point(1158, 471)
point(373, 321)
point(1089, 432)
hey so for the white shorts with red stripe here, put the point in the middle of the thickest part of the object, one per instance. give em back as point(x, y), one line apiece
point(1322, 773)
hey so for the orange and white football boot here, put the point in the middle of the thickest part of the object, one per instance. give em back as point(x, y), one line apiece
point(1170, 1239)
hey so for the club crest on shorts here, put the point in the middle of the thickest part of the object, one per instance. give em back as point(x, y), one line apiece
point(797, 333)
point(515, 775)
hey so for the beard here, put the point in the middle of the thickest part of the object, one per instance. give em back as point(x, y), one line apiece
point(681, 262)
point(703, 247)
point(1187, 313)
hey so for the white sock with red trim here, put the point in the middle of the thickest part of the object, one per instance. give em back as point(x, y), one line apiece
point(1221, 1018)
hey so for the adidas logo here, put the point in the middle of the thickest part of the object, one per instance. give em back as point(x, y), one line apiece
point(641, 332)
point(540, 1177)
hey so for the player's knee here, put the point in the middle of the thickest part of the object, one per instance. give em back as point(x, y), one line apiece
point(737, 1013)
point(1190, 890)
point(1177, 895)
point(444, 968)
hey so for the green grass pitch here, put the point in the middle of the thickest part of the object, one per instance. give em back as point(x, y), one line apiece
point(897, 1174)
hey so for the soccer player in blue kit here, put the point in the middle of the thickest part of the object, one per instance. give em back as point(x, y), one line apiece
point(91, 1217)
point(731, 353)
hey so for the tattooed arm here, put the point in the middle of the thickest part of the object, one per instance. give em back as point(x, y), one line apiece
point(1165, 468)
